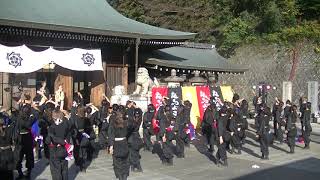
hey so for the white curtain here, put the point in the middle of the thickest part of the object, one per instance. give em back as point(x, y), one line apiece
point(21, 59)
point(78, 59)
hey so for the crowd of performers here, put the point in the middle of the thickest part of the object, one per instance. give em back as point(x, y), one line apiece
point(43, 123)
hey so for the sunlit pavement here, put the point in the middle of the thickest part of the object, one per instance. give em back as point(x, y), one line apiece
point(199, 164)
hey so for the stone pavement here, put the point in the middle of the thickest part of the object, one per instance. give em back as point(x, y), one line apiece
point(200, 165)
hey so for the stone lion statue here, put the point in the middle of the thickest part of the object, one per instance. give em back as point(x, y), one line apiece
point(144, 82)
point(119, 96)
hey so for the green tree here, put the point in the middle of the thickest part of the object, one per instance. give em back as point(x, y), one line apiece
point(113, 3)
point(293, 38)
point(133, 9)
point(236, 32)
point(271, 19)
point(310, 9)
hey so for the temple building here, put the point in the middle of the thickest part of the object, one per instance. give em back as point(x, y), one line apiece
point(125, 44)
point(189, 60)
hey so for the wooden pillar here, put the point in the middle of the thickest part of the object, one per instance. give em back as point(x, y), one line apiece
point(65, 78)
point(97, 86)
point(6, 91)
point(104, 66)
point(125, 78)
point(137, 57)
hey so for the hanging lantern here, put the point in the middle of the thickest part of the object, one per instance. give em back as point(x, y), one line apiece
point(268, 87)
point(50, 66)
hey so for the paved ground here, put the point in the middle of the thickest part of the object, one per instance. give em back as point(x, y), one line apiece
point(198, 164)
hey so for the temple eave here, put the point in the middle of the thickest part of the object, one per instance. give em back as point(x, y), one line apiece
point(93, 31)
point(159, 62)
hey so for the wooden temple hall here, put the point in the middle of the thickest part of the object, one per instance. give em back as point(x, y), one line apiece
point(81, 25)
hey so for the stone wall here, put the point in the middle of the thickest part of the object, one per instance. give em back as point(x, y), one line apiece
point(272, 64)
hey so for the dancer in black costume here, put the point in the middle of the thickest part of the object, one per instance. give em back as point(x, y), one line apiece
point(135, 142)
point(24, 142)
point(179, 132)
point(103, 123)
point(242, 122)
point(58, 136)
point(167, 135)
point(209, 125)
point(307, 129)
point(263, 131)
point(223, 136)
point(147, 127)
point(291, 129)
point(278, 121)
point(119, 145)
point(83, 130)
point(6, 150)
point(234, 130)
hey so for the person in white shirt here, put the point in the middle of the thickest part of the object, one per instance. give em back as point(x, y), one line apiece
point(59, 97)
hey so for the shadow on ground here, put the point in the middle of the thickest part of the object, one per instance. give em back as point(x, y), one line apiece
point(199, 144)
point(287, 171)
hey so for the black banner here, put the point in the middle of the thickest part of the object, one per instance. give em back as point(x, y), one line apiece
point(215, 92)
point(175, 95)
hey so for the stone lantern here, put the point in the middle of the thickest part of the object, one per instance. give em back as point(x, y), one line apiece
point(197, 80)
point(213, 78)
point(173, 80)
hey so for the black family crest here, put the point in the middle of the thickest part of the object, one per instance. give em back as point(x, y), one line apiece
point(88, 59)
point(14, 59)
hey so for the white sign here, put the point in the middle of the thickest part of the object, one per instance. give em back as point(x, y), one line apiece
point(313, 90)
point(287, 91)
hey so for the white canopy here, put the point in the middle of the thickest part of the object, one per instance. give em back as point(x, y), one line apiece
point(21, 59)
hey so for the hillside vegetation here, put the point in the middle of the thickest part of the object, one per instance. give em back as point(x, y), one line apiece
point(232, 23)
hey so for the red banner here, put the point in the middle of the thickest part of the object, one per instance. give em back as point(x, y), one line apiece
point(203, 96)
point(157, 96)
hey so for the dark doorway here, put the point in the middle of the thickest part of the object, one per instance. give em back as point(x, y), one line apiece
point(82, 84)
point(49, 77)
